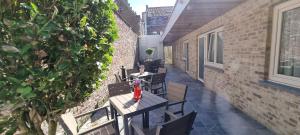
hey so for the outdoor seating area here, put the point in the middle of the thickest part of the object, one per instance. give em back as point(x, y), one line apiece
point(150, 67)
point(186, 107)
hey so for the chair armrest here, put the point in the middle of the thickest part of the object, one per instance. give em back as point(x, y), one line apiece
point(170, 116)
point(86, 113)
point(96, 127)
point(144, 81)
point(161, 94)
point(137, 129)
point(175, 103)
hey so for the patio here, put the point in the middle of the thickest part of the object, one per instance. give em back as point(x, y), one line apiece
point(215, 114)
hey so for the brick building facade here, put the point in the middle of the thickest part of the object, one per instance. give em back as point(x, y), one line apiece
point(243, 80)
point(155, 19)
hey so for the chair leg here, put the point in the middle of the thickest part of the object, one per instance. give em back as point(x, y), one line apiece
point(182, 109)
point(167, 118)
point(165, 87)
point(132, 130)
point(106, 111)
point(112, 114)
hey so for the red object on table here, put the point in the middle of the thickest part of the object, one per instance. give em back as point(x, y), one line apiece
point(137, 92)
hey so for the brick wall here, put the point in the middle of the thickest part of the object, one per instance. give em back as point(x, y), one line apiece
point(124, 54)
point(128, 15)
point(247, 41)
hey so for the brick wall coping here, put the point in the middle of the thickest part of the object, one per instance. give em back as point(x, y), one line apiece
point(280, 87)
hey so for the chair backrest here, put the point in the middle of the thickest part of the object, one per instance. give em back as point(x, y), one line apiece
point(118, 78)
point(118, 89)
point(69, 123)
point(148, 66)
point(156, 64)
point(162, 70)
point(130, 71)
point(180, 126)
point(158, 78)
point(176, 91)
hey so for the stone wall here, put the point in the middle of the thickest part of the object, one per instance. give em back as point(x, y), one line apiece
point(247, 41)
point(125, 54)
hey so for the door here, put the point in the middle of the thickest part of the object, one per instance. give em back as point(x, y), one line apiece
point(201, 57)
point(186, 55)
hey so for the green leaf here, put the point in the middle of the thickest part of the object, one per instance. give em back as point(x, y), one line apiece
point(83, 21)
point(25, 5)
point(34, 11)
point(92, 32)
point(25, 49)
point(34, 7)
point(13, 80)
point(10, 48)
point(24, 90)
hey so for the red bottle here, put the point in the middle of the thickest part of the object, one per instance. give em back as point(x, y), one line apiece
point(137, 92)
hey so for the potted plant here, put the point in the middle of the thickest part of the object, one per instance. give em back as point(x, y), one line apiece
point(149, 52)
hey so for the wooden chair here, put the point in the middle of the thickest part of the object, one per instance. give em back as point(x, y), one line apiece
point(156, 83)
point(130, 71)
point(162, 70)
point(118, 89)
point(176, 126)
point(69, 124)
point(176, 95)
point(118, 78)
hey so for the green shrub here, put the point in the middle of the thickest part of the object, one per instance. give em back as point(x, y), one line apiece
point(149, 51)
point(53, 55)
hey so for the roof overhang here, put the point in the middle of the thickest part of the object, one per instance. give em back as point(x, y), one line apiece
point(189, 15)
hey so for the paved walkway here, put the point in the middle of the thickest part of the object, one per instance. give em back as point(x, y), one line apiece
point(215, 114)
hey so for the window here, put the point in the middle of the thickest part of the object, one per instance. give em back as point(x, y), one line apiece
point(214, 48)
point(211, 47)
point(285, 50)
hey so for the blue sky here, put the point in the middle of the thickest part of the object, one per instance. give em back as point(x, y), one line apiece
point(139, 6)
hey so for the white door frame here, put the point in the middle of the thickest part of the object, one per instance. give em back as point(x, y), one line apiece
point(204, 59)
point(186, 57)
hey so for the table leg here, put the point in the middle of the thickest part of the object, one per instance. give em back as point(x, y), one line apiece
point(116, 119)
point(146, 120)
point(112, 111)
point(126, 128)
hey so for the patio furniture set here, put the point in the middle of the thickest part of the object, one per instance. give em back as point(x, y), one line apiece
point(156, 94)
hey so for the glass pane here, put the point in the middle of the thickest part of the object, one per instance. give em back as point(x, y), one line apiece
point(220, 43)
point(211, 52)
point(289, 56)
point(201, 57)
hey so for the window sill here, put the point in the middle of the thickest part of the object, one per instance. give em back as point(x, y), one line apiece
point(221, 70)
point(280, 87)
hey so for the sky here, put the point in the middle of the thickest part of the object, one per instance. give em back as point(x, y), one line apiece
point(139, 6)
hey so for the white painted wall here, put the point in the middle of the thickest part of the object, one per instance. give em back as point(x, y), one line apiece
point(151, 41)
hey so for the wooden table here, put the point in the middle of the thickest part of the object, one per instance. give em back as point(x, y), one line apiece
point(127, 107)
point(138, 75)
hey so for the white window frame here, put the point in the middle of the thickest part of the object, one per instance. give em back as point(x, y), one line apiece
point(275, 47)
point(207, 62)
